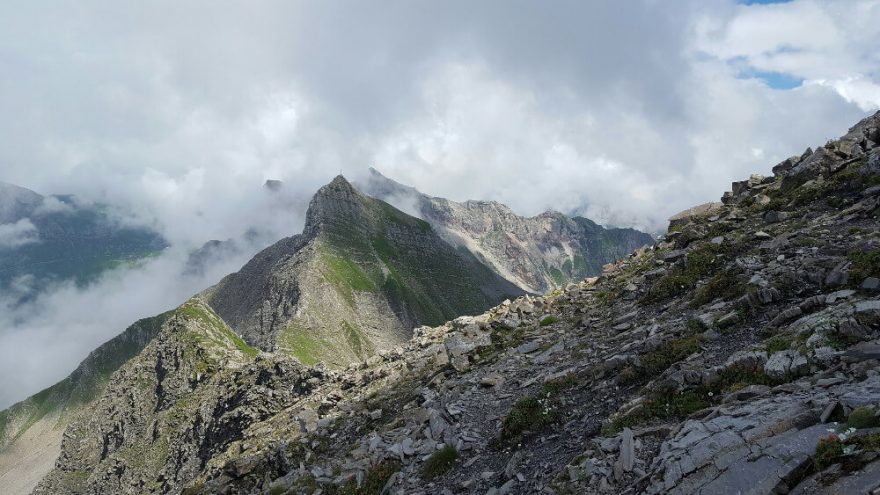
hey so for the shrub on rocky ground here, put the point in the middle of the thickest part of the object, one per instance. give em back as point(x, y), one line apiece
point(862, 417)
point(440, 462)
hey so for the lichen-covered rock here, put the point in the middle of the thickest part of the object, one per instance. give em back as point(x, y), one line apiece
point(786, 365)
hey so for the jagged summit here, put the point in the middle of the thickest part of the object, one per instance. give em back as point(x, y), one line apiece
point(538, 254)
point(337, 201)
point(358, 279)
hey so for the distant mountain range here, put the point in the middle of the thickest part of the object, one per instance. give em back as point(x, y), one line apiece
point(44, 239)
point(538, 253)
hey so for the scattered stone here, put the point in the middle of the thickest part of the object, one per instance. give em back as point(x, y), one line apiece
point(839, 276)
point(871, 283)
point(786, 365)
point(492, 380)
point(627, 450)
point(775, 216)
point(528, 347)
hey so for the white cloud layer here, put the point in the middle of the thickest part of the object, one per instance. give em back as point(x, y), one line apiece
point(13, 235)
point(43, 340)
point(625, 111)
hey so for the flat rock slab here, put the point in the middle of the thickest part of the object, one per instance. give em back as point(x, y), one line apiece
point(863, 481)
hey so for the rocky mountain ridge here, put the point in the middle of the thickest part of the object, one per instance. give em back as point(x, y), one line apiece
point(740, 355)
point(357, 280)
point(538, 254)
point(31, 430)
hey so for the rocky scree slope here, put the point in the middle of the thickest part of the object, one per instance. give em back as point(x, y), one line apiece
point(738, 356)
point(538, 254)
point(358, 279)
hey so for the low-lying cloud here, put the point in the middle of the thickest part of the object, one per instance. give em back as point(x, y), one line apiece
point(13, 235)
point(626, 112)
point(43, 340)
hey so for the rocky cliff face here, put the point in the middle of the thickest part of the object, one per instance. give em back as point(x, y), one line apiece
point(358, 279)
point(31, 430)
point(538, 254)
point(173, 408)
point(740, 355)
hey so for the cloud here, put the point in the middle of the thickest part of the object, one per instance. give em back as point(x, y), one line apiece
point(823, 43)
point(13, 235)
point(43, 340)
point(50, 205)
point(627, 112)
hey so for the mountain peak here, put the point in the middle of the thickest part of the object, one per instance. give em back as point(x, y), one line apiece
point(335, 200)
point(340, 181)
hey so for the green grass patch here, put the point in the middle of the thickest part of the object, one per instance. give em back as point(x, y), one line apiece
point(865, 263)
point(377, 476)
point(198, 312)
point(700, 262)
point(440, 462)
point(668, 353)
point(776, 343)
point(530, 415)
point(557, 386)
point(828, 451)
point(605, 297)
point(862, 417)
point(840, 342)
point(726, 284)
point(867, 442)
point(374, 481)
point(357, 341)
point(557, 276)
point(567, 267)
point(548, 320)
point(696, 325)
point(657, 406)
point(302, 344)
point(346, 276)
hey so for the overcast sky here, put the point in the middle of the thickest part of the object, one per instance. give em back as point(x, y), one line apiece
point(625, 111)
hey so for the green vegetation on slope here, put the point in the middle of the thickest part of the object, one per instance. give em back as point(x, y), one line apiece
point(85, 384)
point(220, 334)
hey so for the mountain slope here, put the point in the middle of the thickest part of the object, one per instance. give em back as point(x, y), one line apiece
point(359, 279)
point(52, 238)
point(31, 430)
point(538, 254)
point(166, 412)
point(718, 361)
point(715, 362)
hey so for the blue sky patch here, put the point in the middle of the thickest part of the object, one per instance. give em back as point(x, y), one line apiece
point(775, 80)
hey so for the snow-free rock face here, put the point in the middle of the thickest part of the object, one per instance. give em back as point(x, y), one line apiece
point(538, 254)
point(31, 430)
point(358, 279)
point(721, 360)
